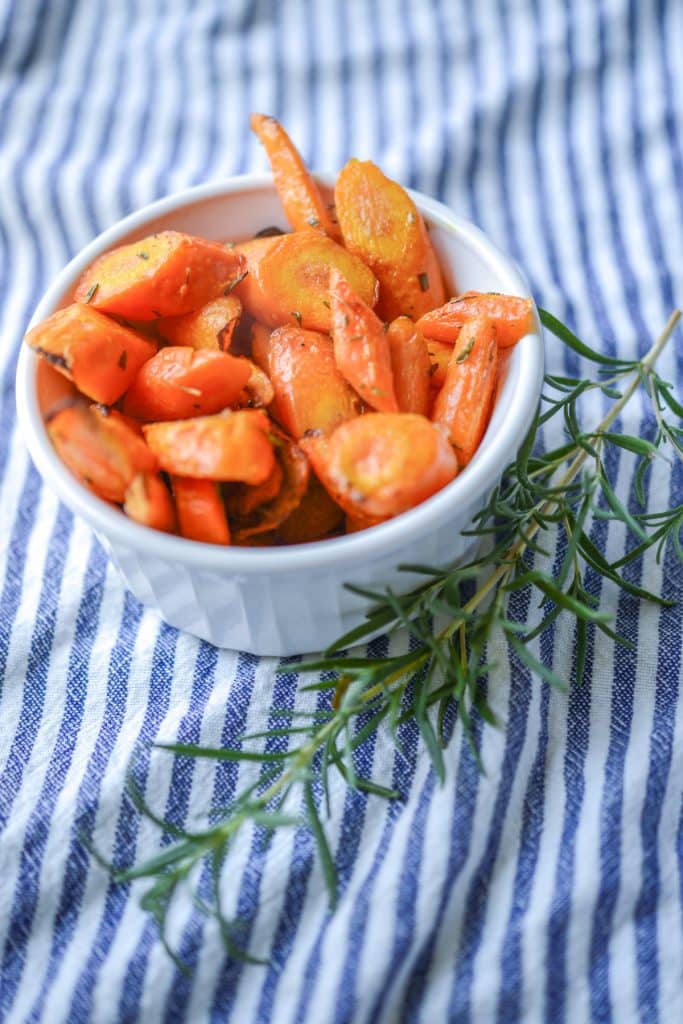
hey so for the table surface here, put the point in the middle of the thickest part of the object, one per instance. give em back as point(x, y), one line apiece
point(548, 889)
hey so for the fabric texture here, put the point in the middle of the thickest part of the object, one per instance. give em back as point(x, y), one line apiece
point(548, 889)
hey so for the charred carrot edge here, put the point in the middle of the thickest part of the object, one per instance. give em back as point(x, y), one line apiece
point(268, 515)
point(361, 349)
point(298, 192)
point(464, 403)
point(511, 316)
point(200, 509)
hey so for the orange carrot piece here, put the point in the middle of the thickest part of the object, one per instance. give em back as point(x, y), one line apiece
point(167, 274)
point(316, 516)
point(381, 224)
point(99, 355)
point(201, 513)
point(210, 327)
point(288, 278)
point(100, 450)
point(439, 357)
point(247, 499)
point(148, 501)
point(361, 349)
point(179, 383)
point(258, 391)
point(249, 519)
point(259, 342)
point(230, 446)
point(511, 316)
point(464, 402)
point(300, 196)
point(310, 392)
point(382, 464)
point(54, 390)
point(410, 365)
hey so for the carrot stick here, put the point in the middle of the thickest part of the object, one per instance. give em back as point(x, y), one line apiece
point(298, 192)
point(148, 501)
point(361, 349)
point(464, 402)
point(511, 316)
point(410, 365)
point(201, 513)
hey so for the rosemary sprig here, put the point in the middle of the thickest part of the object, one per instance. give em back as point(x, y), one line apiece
point(546, 498)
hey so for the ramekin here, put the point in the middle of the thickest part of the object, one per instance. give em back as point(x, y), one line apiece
point(291, 600)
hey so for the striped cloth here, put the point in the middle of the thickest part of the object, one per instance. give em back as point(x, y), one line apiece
point(548, 889)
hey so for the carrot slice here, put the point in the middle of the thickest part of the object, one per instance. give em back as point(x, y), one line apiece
point(258, 391)
point(381, 224)
point(210, 327)
point(316, 516)
point(148, 501)
point(182, 382)
point(248, 519)
point(361, 349)
point(381, 464)
point(99, 355)
point(201, 513)
point(288, 279)
point(511, 316)
point(439, 356)
point(410, 365)
point(167, 274)
point(298, 192)
point(100, 449)
point(230, 446)
point(310, 392)
point(464, 402)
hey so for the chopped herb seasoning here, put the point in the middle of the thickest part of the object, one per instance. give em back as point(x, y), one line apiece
point(424, 281)
point(230, 245)
point(462, 356)
point(123, 359)
point(143, 255)
point(411, 217)
point(346, 320)
point(91, 292)
point(326, 303)
point(314, 222)
point(233, 284)
point(297, 316)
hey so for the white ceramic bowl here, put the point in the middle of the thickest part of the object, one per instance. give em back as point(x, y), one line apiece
point(290, 600)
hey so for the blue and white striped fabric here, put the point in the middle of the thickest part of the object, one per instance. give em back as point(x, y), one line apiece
point(549, 889)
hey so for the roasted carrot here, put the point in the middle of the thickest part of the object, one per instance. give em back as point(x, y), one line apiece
point(201, 513)
point(381, 224)
point(148, 501)
point(511, 316)
point(258, 391)
point(439, 356)
point(361, 349)
point(99, 355)
point(288, 277)
point(316, 516)
point(100, 449)
point(210, 327)
point(167, 274)
point(298, 192)
point(55, 391)
point(310, 392)
point(248, 519)
point(230, 446)
point(410, 365)
point(381, 464)
point(182, 382)
point(259, 341)
point(464, 402)
point(245, 499)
